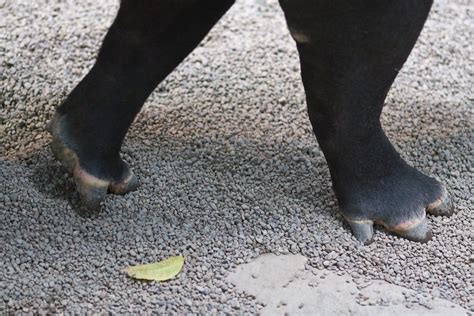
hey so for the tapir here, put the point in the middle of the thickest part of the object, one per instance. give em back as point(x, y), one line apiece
point(350, 53)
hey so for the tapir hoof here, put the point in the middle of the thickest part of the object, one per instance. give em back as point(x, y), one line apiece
point(399, 203)
point(92, 188)
point(416, 230)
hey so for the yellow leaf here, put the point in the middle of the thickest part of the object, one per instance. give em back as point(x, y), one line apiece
point(158, 271)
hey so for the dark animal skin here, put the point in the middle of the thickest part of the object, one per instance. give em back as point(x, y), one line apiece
point(350, 53)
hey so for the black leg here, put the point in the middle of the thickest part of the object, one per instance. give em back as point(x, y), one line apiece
point(350, 52)
point(147, 40)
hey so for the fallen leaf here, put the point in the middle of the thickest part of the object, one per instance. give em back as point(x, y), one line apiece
point(158, 271)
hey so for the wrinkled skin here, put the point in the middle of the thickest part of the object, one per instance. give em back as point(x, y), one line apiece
point(350, 53)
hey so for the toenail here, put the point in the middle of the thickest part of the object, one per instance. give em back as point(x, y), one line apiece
point(88, 179)
point(442, 206)
point(415, 230)
point(407, 225)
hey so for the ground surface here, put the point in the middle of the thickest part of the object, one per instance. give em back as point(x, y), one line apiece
point(228, 164)
point(296, 290)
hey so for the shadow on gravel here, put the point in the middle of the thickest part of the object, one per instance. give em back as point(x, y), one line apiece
point(205, 156)
point(302, 173)
point(50, 179)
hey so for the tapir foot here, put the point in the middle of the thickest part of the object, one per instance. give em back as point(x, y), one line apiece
point(399, 202)
point(94, 178)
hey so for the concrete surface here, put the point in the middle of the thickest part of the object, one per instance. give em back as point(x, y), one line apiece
point(285, 287)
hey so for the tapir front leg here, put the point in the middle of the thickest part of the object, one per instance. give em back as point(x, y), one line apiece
point(147, 40)
point(350, 53)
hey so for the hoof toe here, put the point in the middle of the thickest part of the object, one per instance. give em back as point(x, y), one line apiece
point(363, 230)
point(92, 196)
point(91, 189)
point(415, 230)
point(442, 206)
point(129, 184)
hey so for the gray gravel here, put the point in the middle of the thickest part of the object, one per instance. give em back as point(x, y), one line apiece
point(228, 165)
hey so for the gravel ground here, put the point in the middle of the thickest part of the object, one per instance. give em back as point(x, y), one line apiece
point(228, 165)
